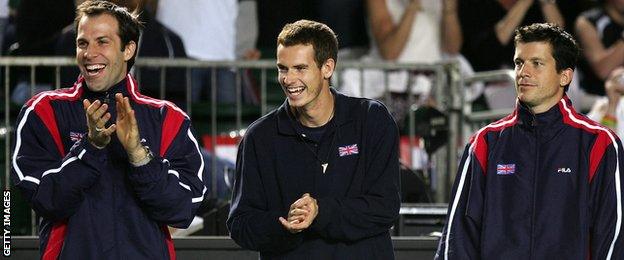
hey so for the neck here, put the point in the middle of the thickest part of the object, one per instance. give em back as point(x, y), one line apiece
point(542, 107)
point(316, 117)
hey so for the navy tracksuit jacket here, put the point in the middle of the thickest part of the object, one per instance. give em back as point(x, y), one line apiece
point(94, 204)
point(358, 195)
point(545, 186)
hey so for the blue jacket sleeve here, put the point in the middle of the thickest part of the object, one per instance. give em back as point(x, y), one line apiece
point(461, 234)
point(53, 183)
point(607, 238)
point(251, 224)
point(170, 187)
point(375, 206)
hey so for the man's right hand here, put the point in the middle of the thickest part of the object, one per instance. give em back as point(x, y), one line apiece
point(301, 215)
point(97, 117)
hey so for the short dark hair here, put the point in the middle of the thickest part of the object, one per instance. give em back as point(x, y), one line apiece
point(565, 50)
point(319, 35)
point(129, 24)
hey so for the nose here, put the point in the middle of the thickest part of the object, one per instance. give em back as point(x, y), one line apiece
point(90, 52)
point(288, 79)
point(523, 71)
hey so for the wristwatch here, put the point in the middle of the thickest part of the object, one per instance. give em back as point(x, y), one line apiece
point(148, 157)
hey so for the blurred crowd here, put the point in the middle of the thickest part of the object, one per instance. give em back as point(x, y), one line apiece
point(477, 33)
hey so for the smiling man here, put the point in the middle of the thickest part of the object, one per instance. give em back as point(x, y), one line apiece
point(316, 178)
point(106, 168)
point(545, 181)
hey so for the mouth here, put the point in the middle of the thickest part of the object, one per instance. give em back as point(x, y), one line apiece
point(294, 91)
point(526, 85)
point(94, 69)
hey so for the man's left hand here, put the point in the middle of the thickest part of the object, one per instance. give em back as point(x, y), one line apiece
point(301, 214)
point(128, 130)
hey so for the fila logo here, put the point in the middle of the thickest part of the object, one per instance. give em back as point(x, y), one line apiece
point(564, 170)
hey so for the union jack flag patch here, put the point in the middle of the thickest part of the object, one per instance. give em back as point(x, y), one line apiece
point(348, 150)
point(505, 169)
point(75, 137)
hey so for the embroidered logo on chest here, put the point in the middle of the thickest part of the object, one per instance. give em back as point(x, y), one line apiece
point(505, 169)
point(564, 170)
point(348, 150)
point(75, 136)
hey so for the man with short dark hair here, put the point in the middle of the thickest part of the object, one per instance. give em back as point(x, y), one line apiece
point(543, 182)
point(318, 177)
point(106, 179)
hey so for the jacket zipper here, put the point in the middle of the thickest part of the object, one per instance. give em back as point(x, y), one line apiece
point(535, 176)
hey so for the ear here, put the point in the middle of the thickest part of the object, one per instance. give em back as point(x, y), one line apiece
point(565, 77)
point(129, 50)
point(328, 68)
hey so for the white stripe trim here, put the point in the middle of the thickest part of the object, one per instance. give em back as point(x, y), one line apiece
point(462, 179)
point(71, 159)
point(31, 179)
point(20, 126)
point(82, 153)
point(174, 172)
point(201, 158)
point(618, 193)
point(200, 199)
point(185, 186)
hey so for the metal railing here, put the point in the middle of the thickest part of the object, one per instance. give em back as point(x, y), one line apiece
point(447, 91)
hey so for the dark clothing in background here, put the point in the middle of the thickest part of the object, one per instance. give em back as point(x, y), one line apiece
point(156, 41)
point(610, 33)
point(481, 46)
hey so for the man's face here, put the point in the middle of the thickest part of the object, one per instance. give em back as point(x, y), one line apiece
point(98, 52)
point(301, 79)
point(537, 82)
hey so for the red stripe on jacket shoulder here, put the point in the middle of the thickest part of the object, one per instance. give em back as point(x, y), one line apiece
point(602, 142)
point(44, 110)
point(174, 116)
point(480, 147)
point(170, 128)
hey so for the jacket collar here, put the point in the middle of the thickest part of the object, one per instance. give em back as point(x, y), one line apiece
point(108, 96)
point(286, 121)
point(547, 123)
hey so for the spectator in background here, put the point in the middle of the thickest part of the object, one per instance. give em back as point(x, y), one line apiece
point(416, 31)
point(488, 28)
point(348, 19)
point(38, 24)
point(609, 110)
point(601, 34)
point(271, 21)
point(156, 41)
point(208, 30)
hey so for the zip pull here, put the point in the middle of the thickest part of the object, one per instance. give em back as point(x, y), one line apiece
point(106, 98)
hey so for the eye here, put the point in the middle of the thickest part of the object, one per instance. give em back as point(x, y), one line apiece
point(518, 64)
point(81, 44)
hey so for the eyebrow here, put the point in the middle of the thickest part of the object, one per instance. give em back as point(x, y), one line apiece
point(98, 38)
point(530, 59)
